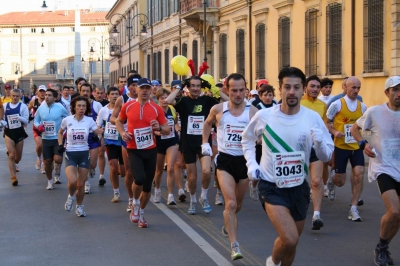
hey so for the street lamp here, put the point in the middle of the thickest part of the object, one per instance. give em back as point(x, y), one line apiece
point(102, 43)
point(143, 20)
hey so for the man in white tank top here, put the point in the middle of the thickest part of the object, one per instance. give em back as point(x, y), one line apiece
point(231, 118)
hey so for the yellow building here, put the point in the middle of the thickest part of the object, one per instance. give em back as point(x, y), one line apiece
point(330, 38)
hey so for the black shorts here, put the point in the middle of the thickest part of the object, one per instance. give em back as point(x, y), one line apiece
point(164, 144)
point(16, 135)
point(114, 152)
point(386, 182)
point(258, 153)
point(50, 148)
point(78, 159)
point(342, 156)
point(143, 166)
point(190, 157)
point(313, 156)
point(296, 199)
point(233, 165)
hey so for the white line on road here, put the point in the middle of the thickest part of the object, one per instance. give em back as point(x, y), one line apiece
point(190, 232)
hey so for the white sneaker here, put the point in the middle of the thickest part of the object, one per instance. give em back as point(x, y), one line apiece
point(116, 197)
point(184, 172)
point(69, 203)
point(171, 200)
point(253, 192)
point(38, 163)
point(182, 195)
point(57, 179)
point(354, 216)
point(79, 211)
point(187, 186)
point(331, 186)
point(130, 206)
point(165, 166)
point(16, 168)
point(157, 196)
point(49, 185)
point(206, 206)
point(87, 187)
point(271, 263)
point(219, 199)
point(42, 169)
point(326, 192)
point(57, 169)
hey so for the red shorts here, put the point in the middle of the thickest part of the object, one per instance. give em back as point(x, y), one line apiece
point(36, 133)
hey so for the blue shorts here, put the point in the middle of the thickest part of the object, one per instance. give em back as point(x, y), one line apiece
point(78, 159)
point(342, 156)
point(93, 144)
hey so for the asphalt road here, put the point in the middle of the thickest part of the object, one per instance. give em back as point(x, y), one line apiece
point(36, 230)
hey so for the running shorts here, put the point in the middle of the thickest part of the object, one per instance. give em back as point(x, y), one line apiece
point(114, 152)
point(78, 159)
point(342, 156)
point(50, 148)
point(164, 144)
point(93, 144)
point(36, 133)
point(16, 135)
point(386, 182)
point(233, 165)
point(143, 166)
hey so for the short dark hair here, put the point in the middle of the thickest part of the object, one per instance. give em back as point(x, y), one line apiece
point(292, 72)
point(65, 87)
point(111, 89)
point(86, 85)
point(161, 92)
point(266, 88)
point(234, 76)
point(194, 78)
point(120, 77)
point(53, 92)
point(313, 77)
point(326, 81)
point(80, 98)
point(79, 80)
point(132, 71)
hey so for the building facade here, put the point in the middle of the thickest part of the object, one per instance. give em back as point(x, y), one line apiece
point(328, 38)
point(39, 47)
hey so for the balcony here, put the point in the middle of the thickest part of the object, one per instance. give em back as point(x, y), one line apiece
point(192, 11)
point(189, 5)
point(65, 77)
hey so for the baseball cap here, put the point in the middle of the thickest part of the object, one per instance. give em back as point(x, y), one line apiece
point(326, 81)
point(7, 86)
point(42, 88)
point(176, 83)
point(132, 80)
point(155, 83)
point(254, 92)
point(262, 82)
point(392, 82)
point(144, 82)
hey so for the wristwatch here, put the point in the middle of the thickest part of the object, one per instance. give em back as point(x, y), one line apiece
point(362, 144)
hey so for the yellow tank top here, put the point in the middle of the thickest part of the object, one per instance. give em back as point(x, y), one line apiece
point(315, 105)
point(343, 122)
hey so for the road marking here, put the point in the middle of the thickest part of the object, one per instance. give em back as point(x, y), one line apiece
point(196, 238)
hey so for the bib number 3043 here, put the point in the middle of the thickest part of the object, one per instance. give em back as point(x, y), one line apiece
point(289, 169)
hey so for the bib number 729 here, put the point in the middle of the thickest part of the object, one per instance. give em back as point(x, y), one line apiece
point(234, 137)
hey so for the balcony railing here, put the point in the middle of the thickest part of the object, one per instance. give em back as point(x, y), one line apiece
point(187, 5)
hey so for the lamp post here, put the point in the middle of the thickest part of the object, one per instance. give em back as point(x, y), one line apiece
point(103, 44)
point(143, 32)
point(204, 31)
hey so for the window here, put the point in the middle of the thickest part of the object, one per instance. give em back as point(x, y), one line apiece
point(52, 30)
point(73, 29)
point(51, 68)
point(14, 47)
point(15, 30)
point(240, 53)
point(159, 65)
point(166, 8)
point(195, 55)
point(223, 55)
point(107, 66)
point(70, 69)
point(154, 76)
point(311, 42)
point(148, 65)
point(334, 39)
point(92, 29)
point(373, 36)
point(92, 65)
point(174, 53)
point(33, 30)
point(166, 64)
point(52, 47)
point(260, 51)
point(284, 42)
point(32, 68)
point(32, 47)
point(174, 6)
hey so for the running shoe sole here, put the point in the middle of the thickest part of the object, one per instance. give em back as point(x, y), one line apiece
point(102, 181)
point(317, 224)
point(182, 198)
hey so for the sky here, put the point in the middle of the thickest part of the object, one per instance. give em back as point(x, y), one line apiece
point(35, 5)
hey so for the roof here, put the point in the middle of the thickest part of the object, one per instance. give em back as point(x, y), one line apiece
point(50, 17)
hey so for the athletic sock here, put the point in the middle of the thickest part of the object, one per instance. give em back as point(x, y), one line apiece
point(353, 208)
point(193, 198)
point(141, 211)
point(316, 213)
point(130, 200)
point(204, 193)
point(116, 190)
point(158, 189)
point(170, 195)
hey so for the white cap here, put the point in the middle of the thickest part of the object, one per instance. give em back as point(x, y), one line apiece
point(254, 92)
point(42, 87)
point(392, 82)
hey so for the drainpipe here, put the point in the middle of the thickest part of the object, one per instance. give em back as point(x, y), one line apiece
point(353, 30)
point(250, 46)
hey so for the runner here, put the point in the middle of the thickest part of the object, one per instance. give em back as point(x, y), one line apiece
point(167, 150)
point(143, 117)
point(122, 85)
point(130, 96)
point(78, 127)
point(310, 100)
point(342, 114)
point(326, 90)
point(16, 114)
point(66, 97)
point(78, 82)
point(7, 94)
point(230, 118)
point(37, 135)
point(288, 131)
point(47, 121)
point(383, 121)
point(112, 141)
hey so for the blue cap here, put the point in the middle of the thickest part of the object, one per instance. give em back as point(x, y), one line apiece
point(155, 83)
point(176, 82)
point(144, 82)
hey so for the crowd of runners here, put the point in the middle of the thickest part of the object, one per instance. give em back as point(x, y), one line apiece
point(246, 138)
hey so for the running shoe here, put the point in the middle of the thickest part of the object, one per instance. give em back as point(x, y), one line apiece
point(326, 192)
point(317, 222)
point(331, 186)
point(215, 183)
point(79, 211)
point(219, 199)
point(42, 169)
point(116, 197)
point(134, 216)
point(184, 172)
point(14, 181)
point(102, 180)
point(192, 208)
point(157, 196)
point(129, 208)
point(69, 203)
point(171, 200)
point(49, 185)
point(354, 215)
point(38, 163)
point(253, 192)
point(87, 187)
point(142, 222)
point(165, 166)
point(236, 254)
point(16, 168)
point(57, 179)
point(187, 186)
point(206, 206)
point(224, 231)
point(57, 169)
point(92, 172)
point(182, 195)
point(271, 263)
point(382, 255)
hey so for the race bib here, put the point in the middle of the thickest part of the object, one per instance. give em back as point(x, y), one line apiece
point(195, 125)
point(143, 137)
point(233, 136)
point(49, 128)
point(289, 169)
point(348, 138)
point(391, 150)
point(171, 134)
point(110, 131)
point(13, 121)
point(79, 136)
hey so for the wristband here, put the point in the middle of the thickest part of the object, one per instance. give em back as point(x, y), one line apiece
point(362, 144)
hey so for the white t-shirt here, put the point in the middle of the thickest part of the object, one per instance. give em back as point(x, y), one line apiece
point(78, 132)
point(103, 115)
point(336, 106)
point(384, 125)
point(325, 99)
